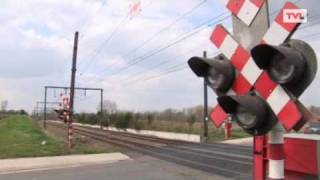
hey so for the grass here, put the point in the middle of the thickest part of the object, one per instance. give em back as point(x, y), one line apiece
point(82, 144)
point(218, 134)
point(20, 136)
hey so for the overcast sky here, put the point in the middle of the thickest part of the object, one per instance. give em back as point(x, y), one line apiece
point(36, 39)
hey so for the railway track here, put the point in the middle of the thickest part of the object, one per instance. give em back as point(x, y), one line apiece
point(231, 161)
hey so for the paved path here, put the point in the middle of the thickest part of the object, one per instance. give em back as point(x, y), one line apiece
point(40, 163)
point(141, 168)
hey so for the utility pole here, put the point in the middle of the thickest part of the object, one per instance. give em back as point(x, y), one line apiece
point(101, 108)
point(45, 108)
point(72, 85)
point(37, 111)
point(205, 106)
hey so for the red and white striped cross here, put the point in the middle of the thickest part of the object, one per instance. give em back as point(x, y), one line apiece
point(250, 77)
point(246, 10)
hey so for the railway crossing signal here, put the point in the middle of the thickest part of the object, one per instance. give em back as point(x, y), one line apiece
point(292, 64)
point(268, 79)
point(62, 114)
point(218, 72)
point(219, 75)
point(251, 112)
point(64, 108)
point(249, 75)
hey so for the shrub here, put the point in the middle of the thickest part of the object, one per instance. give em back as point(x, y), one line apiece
point(123, 120)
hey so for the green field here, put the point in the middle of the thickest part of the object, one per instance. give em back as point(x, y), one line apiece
point(20, 136)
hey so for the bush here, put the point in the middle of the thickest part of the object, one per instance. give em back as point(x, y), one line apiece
point(191, 120)
point(150, 119)
point(87, 118)
point(138, 125)
point(123, 120)
point(105, 121)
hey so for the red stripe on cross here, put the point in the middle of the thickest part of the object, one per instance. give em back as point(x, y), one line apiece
point(218, 116)
point(240, 58)
point(235, 5)
point(264, 85)
point(241, 85)
point(290, 115)
point(258, 3)
point(279, 19)
point(218, 35)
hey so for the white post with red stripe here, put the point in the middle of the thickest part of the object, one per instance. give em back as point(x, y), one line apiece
point(276, 152)
point(65, 105)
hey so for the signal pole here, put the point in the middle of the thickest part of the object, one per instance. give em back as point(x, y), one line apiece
point(101, 108)
point(248, 37)
point(45, 108)
point(72, 85)
point(205, 106)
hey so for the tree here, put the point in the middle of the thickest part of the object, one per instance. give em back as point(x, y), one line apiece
point(109, 107)
point(150, 118)
point(191, 120)
point(123, 120)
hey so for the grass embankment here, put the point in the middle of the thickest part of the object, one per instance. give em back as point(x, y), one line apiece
point(20, 136)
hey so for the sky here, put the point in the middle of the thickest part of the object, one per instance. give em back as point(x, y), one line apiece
point(37, 41)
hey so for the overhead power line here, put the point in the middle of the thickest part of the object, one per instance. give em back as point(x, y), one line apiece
point(96, 52)
point(169, 68)
point(161, 75)
point(166, 28)
point(183, 36)
point(88, 21)
point(92, 56)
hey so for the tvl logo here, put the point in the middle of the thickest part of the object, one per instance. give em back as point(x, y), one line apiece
point(295, 16)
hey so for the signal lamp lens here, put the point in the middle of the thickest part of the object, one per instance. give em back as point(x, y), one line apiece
point(215, 79)
point(251, 112)
point(281, 70)
point(245, 118)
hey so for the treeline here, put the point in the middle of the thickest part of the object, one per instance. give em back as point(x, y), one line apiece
point(141, 120)
point(13, 112)
point(4, 114)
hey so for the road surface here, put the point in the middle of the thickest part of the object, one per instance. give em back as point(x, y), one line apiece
point(141, 168)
